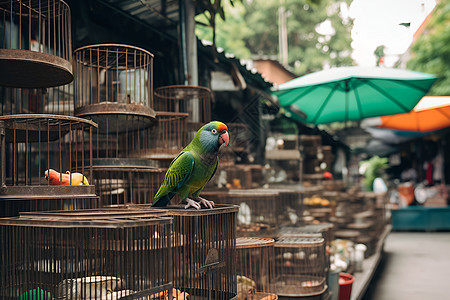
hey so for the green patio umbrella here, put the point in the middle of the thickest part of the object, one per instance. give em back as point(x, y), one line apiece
point(352, 93)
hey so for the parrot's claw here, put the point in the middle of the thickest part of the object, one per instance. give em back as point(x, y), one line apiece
point(192, 203)
point(206, 203)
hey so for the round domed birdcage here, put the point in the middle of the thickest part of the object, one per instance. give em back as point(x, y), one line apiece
point(114, 80)
point(35, 43)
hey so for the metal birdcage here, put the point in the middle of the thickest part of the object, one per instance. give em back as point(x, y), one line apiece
point(165, 140)
point(127, 184)
point(61, 255)
point(258, 210)
point(36, 147)
point(114, 80)
point(35, 43)
point(54, 100)
point(301, 266)
point(292, 208)
point(204, 250)
point(193, 100)
point(255, 266)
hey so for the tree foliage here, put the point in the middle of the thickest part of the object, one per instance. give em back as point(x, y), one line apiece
point(253, 30)
point(431, 51)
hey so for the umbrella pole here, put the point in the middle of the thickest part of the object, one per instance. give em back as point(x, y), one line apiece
point(347, 90)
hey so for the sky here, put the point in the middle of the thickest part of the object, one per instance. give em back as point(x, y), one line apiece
point(376, 22)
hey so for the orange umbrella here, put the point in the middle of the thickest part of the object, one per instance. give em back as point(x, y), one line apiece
point(430, 114)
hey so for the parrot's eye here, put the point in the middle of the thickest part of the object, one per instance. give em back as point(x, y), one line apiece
point(214, 131)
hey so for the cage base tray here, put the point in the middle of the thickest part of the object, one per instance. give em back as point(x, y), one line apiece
point(114, 117)
point(47, 192)
point(31, 69)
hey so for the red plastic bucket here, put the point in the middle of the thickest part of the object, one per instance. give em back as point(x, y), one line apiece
point(345, 285)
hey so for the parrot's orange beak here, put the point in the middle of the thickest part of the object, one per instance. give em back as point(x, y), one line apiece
point(224, 138)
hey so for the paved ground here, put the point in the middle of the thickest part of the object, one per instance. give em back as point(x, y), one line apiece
point(415, 266)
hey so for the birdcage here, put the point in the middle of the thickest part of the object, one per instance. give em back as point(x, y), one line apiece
point(301, 266)
point(255, 267)
point(64, 256)
point(114, 80)
point(292, 209)
point(194, 100)
point(35, 43)
point(36, 147)
point(204, 250)
point(130, 183)
point(164, 141)
point(54, 100)
point(258, 211)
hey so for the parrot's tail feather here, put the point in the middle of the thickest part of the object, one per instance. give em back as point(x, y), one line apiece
point(164, 200)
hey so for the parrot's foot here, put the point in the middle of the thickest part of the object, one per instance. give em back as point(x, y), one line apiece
point(192, 203)
point(206, 203)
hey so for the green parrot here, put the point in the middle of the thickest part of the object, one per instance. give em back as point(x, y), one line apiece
point(189, 172)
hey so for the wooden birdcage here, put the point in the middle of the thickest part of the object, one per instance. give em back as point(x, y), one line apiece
point(33, 144)
point(204, 250)
point(35, 43)
point(54, 100)
point(193, 100)
point(301, 266)
point(255, 266)
point(61, 255)
point(114, 80)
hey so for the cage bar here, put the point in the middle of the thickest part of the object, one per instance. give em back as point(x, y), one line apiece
point(35, 43)
point(68, 257)
point(255, 267)
point(114, 79)
point(301, 266)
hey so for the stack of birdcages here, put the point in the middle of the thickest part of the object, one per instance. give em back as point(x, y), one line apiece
point(114, 87)
point(39, 138)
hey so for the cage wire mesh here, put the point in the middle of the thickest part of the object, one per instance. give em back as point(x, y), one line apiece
point(301, 266)
point(35, 43)
point(68, 257)
point(45, 163)
point(255, 267)
point(204, 251)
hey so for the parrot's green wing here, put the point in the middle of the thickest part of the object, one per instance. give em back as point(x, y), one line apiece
point(179, 171)
point(197, 193)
